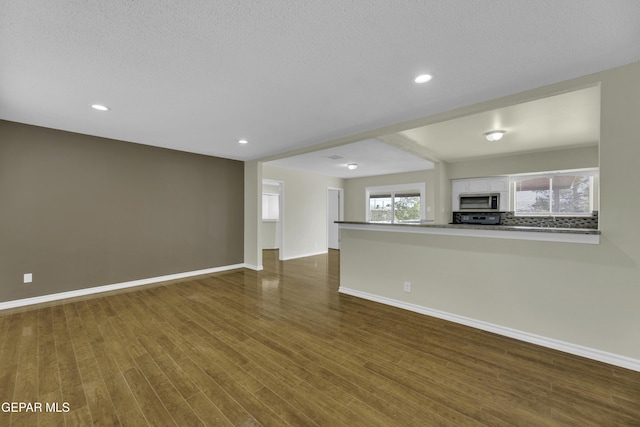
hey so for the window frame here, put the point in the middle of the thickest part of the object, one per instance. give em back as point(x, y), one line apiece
point(420, 186)
point(593, 173)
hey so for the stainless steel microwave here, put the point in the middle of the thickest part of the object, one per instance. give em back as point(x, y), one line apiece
point(482, 202)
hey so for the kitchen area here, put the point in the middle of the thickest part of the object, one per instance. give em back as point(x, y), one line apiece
point(534, 244)
point(537, 167)
point(497, 207)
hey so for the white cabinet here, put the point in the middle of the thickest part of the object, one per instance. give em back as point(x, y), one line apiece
point(498, 184)
point(504, 201)
point(478, 186)
point(494, 184)
point(459, 186)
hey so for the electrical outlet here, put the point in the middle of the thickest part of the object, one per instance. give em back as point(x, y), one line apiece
point(407, 286)
point(28, 277)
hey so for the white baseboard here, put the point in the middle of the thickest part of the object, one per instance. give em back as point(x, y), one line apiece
point(304, 255)
point(253, 267)
point(578, 350)
point(98, 289)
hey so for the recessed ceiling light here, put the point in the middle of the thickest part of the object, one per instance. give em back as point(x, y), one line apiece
point(494, 135)
point(100, 107)
point(243, 141)
point(423, 78)
point(352, 166)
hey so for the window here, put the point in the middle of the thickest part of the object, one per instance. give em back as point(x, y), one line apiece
point(558, 193)
point(270, 207)
point(396, 204)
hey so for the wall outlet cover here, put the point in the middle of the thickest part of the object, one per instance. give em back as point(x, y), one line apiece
point(28, 278)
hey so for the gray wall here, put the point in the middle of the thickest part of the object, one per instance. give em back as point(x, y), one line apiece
point(79, 211)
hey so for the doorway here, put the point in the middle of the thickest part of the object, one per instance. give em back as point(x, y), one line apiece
point(272, 230)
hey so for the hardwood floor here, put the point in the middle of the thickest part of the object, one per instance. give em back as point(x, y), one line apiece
point(281, 347)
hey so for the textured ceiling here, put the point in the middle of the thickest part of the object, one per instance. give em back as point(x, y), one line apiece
point(568, 120)
point(197, 75)
point(372, 157)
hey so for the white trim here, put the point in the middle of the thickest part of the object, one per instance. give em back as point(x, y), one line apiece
point(280, 224)
point(253, 267)
point(568, 237)
point(578, 350)
point(340, 212)
point(98, 289)
point(305, 255)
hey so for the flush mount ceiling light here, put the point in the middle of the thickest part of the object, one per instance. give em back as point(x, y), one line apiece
point(422, 78)
point(494, 135)
point(352, 166)
point(100, 107)
point(243, 141)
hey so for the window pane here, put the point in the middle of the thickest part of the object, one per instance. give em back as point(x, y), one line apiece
point(270, 206)
point(572, 194)
point(532, 196)
point(415, 193)
point(383, 201)
point(557, 194)
point(380, 208)
point(407, 208)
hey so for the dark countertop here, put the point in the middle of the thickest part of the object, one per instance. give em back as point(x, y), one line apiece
point(484, 227)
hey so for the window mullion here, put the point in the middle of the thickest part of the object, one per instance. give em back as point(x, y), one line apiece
point(393, 207)
point(551, 196)
point(591, 193)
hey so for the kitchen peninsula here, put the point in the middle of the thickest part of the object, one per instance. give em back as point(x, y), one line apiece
point(521, 282)
point(552, 234)
point(578, 298)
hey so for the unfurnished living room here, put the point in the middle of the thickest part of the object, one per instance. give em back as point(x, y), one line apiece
point(332, 213)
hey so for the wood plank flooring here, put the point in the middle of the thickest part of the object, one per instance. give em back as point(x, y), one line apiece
point(282, 347)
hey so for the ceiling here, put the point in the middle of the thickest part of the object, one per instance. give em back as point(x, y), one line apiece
point(373, 157)
point(562, 121)
point(568, 120)
point(199, 75)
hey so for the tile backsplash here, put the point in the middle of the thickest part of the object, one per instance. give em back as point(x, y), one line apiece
point(508, 218)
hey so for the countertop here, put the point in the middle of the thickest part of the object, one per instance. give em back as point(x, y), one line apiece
point(552, 230)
